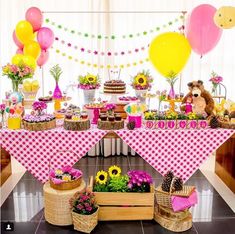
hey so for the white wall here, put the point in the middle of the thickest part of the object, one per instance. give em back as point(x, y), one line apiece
point(221, 59)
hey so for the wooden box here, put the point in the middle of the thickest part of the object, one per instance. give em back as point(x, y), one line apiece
point(124, 206)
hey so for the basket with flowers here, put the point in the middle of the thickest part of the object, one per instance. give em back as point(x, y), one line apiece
point(65, 178)
point(123, 196)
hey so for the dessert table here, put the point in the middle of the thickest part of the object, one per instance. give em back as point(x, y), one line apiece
point(181, 150)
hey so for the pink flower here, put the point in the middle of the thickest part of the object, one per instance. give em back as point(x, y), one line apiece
point(57, 181)
point(66, 169)
point(89, 208)
point(52, 174)
point(80, 207)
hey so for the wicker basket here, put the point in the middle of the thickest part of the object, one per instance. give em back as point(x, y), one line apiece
point(67, 185)
point(164, 198)
point(39, 126)
point(85, 223)
point(30, 95)
point(56, 202)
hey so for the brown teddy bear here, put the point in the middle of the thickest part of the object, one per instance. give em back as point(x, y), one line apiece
point(201, 100)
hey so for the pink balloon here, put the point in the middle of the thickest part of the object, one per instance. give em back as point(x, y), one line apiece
point(42, 59)
point(45, 38)
point(17, 42)
point(201, 31)
point(34, 16)
point(19, 51)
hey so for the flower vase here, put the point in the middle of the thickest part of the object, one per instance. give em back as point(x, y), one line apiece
point(88, 95)
point(140, 93)
point(57, 94)
point(172, 93)
point(16, 96)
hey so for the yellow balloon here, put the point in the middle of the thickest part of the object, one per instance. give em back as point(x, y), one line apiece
point(17, 59)
point(24, 32)
point(225, 17)
point(169, 52)
point(33, 49)
point(29, 61)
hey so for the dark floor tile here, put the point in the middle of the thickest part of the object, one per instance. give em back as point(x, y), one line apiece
point(28, 176)
point(22, 228)
point(86, 169)
point(47, 228)
point(198, 174)
point(113, 160)
point(152, 227)
point(22, 209)
point(136, 160)
point(217, 226)
point(119, 227)
point(84, 161)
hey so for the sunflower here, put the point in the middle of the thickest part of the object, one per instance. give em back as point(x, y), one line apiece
point(66, 177)
point(114, 171)
point(101, 177)
point(141, 79)
point(91, 79)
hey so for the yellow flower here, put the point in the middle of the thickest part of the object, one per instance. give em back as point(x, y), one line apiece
point(101, 177)
point(141, 79)
point(114, 171)
point(66, 177)
point(91, 79)
point(5, 69)
point(58, 172)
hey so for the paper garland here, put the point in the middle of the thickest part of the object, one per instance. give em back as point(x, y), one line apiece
point(94, 65)
point(113, 37)
point(96, 52)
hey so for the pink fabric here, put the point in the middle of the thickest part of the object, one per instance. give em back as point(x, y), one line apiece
point(182, 203)
point(179, 150)
point(43, 150)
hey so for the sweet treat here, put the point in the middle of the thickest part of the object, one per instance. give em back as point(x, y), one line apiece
point(111, 118)
point(71, 109)
point(45, 99)
point(114, 86)
point(94, 105)
point(39, 122)
point(128, 99)
point(118, 117)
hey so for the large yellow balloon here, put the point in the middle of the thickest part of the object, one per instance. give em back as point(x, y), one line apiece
point(169, 52)
point(24, 32)
point(29, 61)
point(17, 59)
point(225, 17)
point(33, 49)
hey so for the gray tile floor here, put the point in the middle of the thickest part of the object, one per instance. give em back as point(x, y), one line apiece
point(24, 206)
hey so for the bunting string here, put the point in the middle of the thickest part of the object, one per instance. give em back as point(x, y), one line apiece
point(114, 36)
point(99, 66)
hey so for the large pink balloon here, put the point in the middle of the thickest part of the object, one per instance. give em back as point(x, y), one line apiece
point(19, 51)
point(42, 59)
point(45, 38)
point(201, 31)
point(34, 16)
point(17, 42)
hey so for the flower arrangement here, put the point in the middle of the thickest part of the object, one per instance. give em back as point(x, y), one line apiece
point(64, 174)
point(171, 115)
point(215, 80)
point(161, 97)
point(89, 81)
point(84, 203)
point(142, 81)
point(114, 181)
point(110, 107)
point(17, 73)
point(39, 106)
point(171, 79)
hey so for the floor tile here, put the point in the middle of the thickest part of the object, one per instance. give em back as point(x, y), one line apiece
point(47, 228)
point(90, 161)
point(152, 227)
point(113, 160)
point(86, 170)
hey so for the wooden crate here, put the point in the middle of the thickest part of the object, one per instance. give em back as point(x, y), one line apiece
point(124, 206)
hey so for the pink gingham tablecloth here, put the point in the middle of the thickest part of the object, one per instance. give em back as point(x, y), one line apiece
point(182, 151)
point(39, 151)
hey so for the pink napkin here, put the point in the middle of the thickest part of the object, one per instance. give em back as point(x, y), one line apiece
point(182, 203)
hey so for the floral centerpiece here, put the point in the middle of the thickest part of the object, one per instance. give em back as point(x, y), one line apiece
point(89, 81)
point(142, 81)
point(56, 72)
point(110, 107)
point(17, 74)
point(215, 80)
point(39, 106)
point(161, 97)
point(171, 79)
point(84, 211)
point(61, 176)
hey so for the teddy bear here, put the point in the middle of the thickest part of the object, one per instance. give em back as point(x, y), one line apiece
point(201, 100)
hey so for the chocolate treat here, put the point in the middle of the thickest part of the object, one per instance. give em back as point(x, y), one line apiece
point(118, 117)
point(103, 117)
point(114, 86)
point(111, 118)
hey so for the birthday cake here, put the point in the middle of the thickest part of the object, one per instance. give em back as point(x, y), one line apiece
point(114, 86)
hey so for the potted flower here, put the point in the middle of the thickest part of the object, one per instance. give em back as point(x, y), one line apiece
point(171, 117)
point(149, 117)
point(89, 83)
point(202, 121)
point(56, 72)
point(39, 107)
point(215, 80)
point(171, 79)
point(141, 83)
point(192, 120)
point(161, 97)
point(182, 120)
point(84, 211)
point(17, 74)
point(160, 120)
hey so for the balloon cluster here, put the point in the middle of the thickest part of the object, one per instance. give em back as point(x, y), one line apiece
point(170, 51)
point(30, 51)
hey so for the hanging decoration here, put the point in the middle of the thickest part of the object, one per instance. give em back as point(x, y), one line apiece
point(201, 31)
point(102, 53)
point(113, 36)
point(98, 66)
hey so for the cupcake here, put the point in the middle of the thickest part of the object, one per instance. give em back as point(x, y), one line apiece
point(118, 117)
point(103, 117)
point(111, 118)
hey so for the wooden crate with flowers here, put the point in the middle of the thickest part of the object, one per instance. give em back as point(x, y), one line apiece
point(123, 197)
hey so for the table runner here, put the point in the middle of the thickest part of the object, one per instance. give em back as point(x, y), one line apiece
point(182, 151)
point(35, 150)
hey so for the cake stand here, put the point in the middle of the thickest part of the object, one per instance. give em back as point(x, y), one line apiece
point(114, 96)
point(95, 113)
